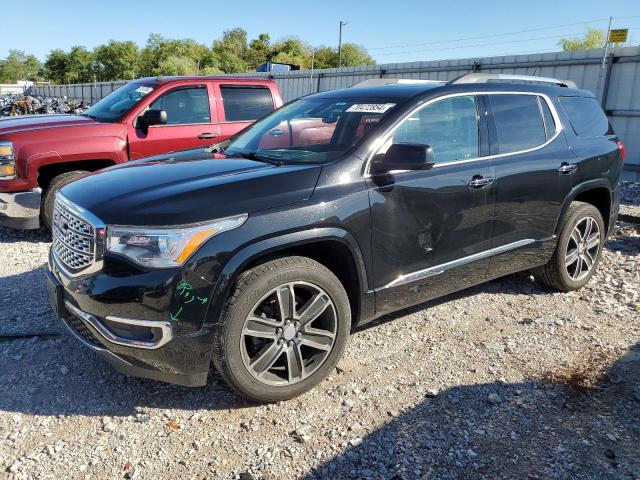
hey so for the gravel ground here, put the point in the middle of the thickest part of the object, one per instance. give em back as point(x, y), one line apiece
point(504, 380)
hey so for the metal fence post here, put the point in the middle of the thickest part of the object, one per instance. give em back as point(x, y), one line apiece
point(607, 80)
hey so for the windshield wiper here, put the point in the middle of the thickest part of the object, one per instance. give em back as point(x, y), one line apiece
point(259, 158)
point(89, 115)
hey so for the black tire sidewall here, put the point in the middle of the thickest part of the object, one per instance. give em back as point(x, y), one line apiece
point(577, 214)
point(237, 312)
point(50, 193)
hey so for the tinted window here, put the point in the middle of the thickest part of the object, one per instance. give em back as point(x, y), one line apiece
point(449, 127)
point(185, 106)
point(549, 123)
point(246, 103)
point(586, 116)
point(518, 122)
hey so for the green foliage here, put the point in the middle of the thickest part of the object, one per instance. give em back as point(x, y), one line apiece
point(19, 66)
point(232, 53)
point(594, 38)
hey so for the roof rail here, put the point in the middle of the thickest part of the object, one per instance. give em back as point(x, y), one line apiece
point(489, 77)
point(376, 82)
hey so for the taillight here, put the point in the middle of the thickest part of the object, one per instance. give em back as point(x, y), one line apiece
point(623, 150)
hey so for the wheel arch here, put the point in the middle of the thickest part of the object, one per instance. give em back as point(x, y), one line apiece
point(49, 171)
point(334, 248)
point(595, 192)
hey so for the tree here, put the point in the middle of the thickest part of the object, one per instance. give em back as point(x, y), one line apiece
point(176, 65)
point(79, 65)
point(291, 50)
point(19, 66)
point(230, 52)
point(160, 53)
point(55, 67)
point(259, 51)
point(355, 55)
point(594, 38)
point(116, 60)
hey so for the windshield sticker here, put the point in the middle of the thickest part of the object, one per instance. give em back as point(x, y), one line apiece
point(143, 90)
point(370, 107)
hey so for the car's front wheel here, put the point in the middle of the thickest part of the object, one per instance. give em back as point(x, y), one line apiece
point(283, 329)
point(578, 251)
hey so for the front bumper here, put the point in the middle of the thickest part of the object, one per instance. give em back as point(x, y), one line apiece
point(123, 319)
point(21, 210)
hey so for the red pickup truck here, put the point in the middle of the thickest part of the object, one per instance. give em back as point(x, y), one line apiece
point(149, 116)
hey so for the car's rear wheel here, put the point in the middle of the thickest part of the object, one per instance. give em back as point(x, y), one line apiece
point(49, 196)
point(283, 329)
point(578, 250)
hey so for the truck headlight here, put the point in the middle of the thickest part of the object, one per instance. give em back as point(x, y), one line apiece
point(7, 161)
point(166, 247)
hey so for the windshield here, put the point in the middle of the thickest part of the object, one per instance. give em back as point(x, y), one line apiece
point(118, 102)
point(312, 130)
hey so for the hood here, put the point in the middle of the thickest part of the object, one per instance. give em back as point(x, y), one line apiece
point(24, 123)
point(189, 187)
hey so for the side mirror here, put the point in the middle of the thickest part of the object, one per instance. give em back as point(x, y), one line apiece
point(404, 156)
point(152, 117)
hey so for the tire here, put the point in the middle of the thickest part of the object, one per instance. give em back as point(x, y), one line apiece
point(561, 271)
point(313, 284)
point(49, 196)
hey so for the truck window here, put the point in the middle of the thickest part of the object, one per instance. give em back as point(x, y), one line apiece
point(185, 106)
point(586, 116)
point(245, 103)
point(518, 122)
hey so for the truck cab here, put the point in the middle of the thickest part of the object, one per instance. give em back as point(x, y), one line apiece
point(149, 116)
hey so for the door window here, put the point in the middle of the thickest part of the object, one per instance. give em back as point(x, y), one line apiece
point(518, 122)
point(185, 106)
point(449, 127)
point(245, 104)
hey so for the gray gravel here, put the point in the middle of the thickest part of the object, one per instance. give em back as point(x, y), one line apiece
point(504, 380)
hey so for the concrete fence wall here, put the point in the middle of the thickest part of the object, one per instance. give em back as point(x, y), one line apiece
point(616, 85)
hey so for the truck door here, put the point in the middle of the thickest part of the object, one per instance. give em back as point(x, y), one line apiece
point(191, 123)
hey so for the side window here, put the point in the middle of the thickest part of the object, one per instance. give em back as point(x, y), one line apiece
point(586, 116)
point(549, 122)
point(185, 106)
point(245, 103)
point(518, 122)
point(449, 127)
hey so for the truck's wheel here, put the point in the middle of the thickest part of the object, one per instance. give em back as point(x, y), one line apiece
point(283, 329)
point(578, 250)
point(49, 196)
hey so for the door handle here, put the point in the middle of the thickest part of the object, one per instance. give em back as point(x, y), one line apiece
point(480, 182)
point(207, 135)
point(567, 168)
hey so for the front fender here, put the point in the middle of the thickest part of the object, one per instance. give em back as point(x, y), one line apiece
point(238, 262)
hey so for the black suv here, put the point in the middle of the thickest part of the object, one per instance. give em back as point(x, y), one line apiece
point(260, 254)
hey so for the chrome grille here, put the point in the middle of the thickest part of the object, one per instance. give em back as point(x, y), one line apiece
point(73, 239)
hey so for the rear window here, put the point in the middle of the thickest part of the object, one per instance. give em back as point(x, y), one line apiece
point(246, 103)
point(586, 116)
point(518, 122)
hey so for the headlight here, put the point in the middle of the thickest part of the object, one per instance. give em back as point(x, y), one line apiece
point(7, 162)
point(166, 247)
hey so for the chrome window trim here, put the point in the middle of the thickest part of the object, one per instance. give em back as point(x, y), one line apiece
point(165, 328)
point(443, 267)
point(382, 141)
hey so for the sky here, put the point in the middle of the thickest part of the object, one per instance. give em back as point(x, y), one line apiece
point(392, 31)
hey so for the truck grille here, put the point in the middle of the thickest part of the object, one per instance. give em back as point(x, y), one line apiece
point(73, 239)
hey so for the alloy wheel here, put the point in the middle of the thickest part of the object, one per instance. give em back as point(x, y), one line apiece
point(289, 333)
point(583, 248)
